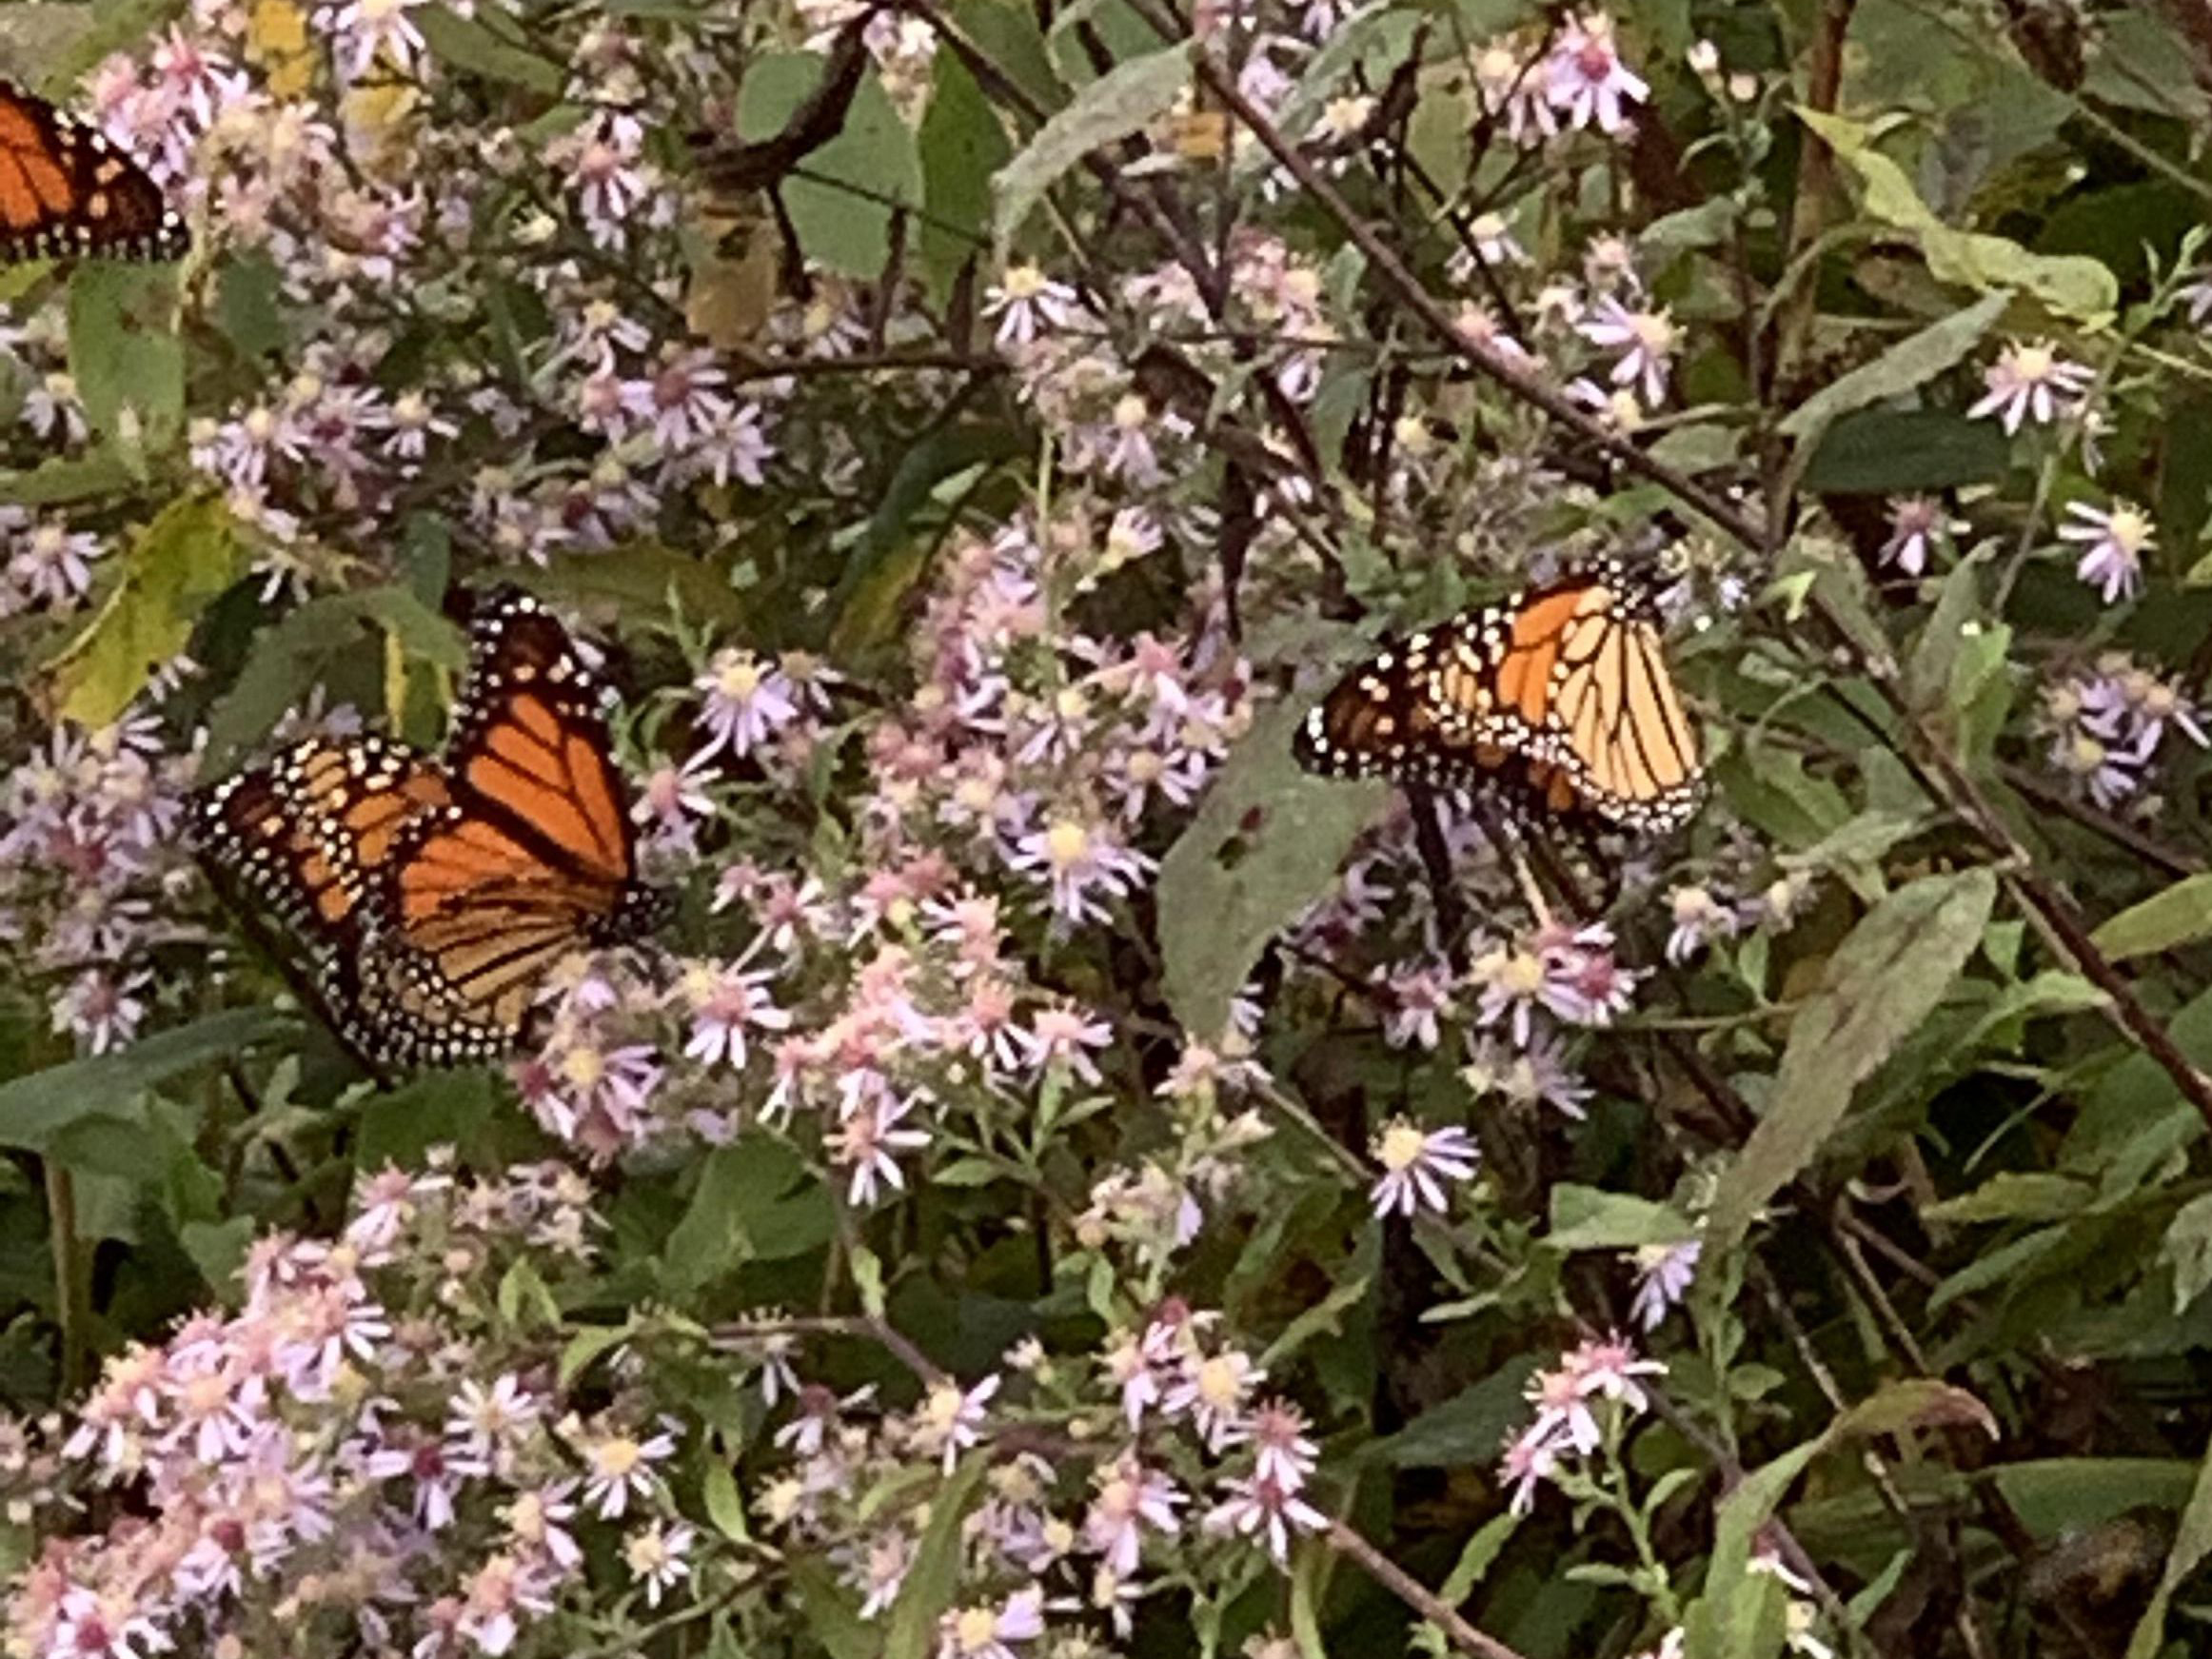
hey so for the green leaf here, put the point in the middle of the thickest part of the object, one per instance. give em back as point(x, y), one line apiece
point(2016, 1195)
point(1309, 1575)
point(1585, 1218)
point(127, 356)
point(249, 305)
point(725, 1506)
point(1912, 361)
point(1324, 1317)
point(436, 1109)
point(2192, 1544)
point(961, 144)
point(2056, 1496)
point(641, 578)
point(842, 201)
point(935, 1577)
point(488, 46)
point(289, 660)
point(831, 1617)
point(2071, 285)
point(171, 571)
point(739, 1185)
point(1124, 100)
point(1882, 981)
point(1465, 1429)
point(64, 479)
point(2179, 914)
point(2187, 1248)
point(1266, 842)
point(588, 1347)
point(37, 1107)
point(1894, 451)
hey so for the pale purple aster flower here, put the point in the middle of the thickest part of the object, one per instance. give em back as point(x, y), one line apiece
point(1281, 1452)
point(655, 1556)
point(1916, 521)
point(1417, 1164)
point(984, 1632)
point(1664, 1272)
point(726, 1002)
point(1080, 862)
point(950, 1419)
point(1517, 85)
point(867, 1142)
point(619, 1467)
point(1260, 1509)
point(1213, 1392)
point(1699, 919)
point(733, 444)
point(54, 563)
point(2031, 381)
point(1130, 1498)
point(486, 1422)
point(539, 1521)
point(2115, 542)
point(1585, 79)
point(1529, 1457)
point(748, 701)
point(1563, 1414)
point(1026, 302)
point(1417, 998)
point(1512, 979)
point(1584, 982)
point(1063, 1037)
point(53, 410)
point(1645, 339)
point(366, 28)
point(685, 400)
point(1610, 1369)
point(101, 1009)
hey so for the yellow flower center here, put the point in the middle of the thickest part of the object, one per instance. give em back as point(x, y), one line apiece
point(1400, 1147)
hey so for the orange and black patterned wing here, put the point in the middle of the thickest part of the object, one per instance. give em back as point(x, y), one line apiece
point(66, 192)
point(1558, 702)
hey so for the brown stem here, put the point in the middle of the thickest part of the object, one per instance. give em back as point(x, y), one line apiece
point(1810, 204)
point(1416, 1595)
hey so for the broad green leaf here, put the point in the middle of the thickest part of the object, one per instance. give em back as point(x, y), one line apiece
point(739, 1188)
point(831, 1617)
point(1958, 610)
point(38, 1106)
point(1124, 101)
point(1881, 983)
point(171, 572)
point(841, 199)
point(1266, 843)
point(2057, 1495)
point(2192, 1544)
point(2181, 915)
point(1912, 361)
point(1465, 1429)
point(1895, 452)
point(488, 46)
point(436, 1109)
point(2072, 285)
point(62, 479)
point(288, 660)
point(642, 579)
point(1324, 1317)
point(1308, 1578)
point(2187, 1248)
point(2016, 1195)
point(1585, 1218)
point(1007, 32)
point(935, 1577)
point(249, 305)
point(962, 146)
point(588, 1346)
point(725, 1506)
point(127, 356)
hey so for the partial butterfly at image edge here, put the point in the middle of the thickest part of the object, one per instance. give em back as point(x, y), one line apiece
point(1558, 702)
point(425, 899)
point(66, 192)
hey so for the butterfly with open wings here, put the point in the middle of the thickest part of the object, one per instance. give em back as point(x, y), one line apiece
point(66, 192)
point(424, 899)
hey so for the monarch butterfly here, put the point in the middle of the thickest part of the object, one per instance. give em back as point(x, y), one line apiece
point(425, 898)
point(65, 191)
point(1560, 697)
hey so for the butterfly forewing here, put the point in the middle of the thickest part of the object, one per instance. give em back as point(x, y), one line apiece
point(66, 192)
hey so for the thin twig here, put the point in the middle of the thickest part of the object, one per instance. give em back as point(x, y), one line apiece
point(864, 1326)
point(1415, 1594)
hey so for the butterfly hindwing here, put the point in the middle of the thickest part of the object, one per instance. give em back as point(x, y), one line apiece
point(66, 192)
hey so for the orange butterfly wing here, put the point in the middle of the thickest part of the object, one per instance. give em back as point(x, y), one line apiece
point(66, 192)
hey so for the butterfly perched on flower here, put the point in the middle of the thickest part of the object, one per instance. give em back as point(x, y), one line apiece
point(425, 898)
point(66, 192)
point(1558, 700)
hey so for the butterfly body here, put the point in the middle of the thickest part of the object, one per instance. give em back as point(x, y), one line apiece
point(1559, 698)
point(427, 897)
point(66, 192)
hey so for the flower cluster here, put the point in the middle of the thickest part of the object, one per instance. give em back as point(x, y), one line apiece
point(2107, 725)
point(359, 1448)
